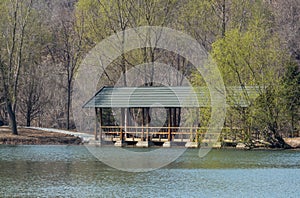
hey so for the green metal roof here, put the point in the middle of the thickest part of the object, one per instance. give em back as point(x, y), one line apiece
point(130, 97)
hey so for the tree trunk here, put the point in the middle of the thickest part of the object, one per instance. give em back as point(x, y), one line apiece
point(28, 119)
point(278, 141)
point(223, 18)
point(69, 105)
point(12, 118)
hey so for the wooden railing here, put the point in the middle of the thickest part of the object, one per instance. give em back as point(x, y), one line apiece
point(177, 133)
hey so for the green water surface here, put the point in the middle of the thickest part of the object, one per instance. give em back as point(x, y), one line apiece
point(71, 171)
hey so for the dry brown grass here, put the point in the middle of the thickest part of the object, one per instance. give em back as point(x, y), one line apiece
point(32, 136)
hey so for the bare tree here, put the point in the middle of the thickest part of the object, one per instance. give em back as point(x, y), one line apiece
point(32, 95)
point(16, 15)
point(287, 18)
point(66, 46)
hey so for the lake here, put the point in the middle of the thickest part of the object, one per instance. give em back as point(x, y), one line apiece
point(71, 171)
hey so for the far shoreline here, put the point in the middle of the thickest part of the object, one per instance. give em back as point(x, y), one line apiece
point(29, 136)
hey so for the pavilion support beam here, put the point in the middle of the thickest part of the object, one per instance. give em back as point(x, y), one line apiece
point(173, 123)
point(121, 142)
point(169, 124)
point(147, 123)
point(174, 117)
point(96, 124)
point(125, 121)
point(197, 125)
point(122, 123)
point(143, 121)
point(169, 142)
point(100, 124)
point(179, 116)
point(194, 143)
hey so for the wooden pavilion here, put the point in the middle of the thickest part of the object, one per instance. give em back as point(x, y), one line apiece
point(134, 105)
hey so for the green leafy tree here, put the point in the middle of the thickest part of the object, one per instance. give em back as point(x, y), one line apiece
point(251, 54)
point(254, 57)
point(291, 96)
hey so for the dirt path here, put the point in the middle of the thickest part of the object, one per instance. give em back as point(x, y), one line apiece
point(86, 137)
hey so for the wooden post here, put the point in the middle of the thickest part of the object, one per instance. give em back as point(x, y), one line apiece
point(147, 123)
point(125, 121)
point(169, 125)
point(96, 124)
point(174, 118)
point(100, 123)
point(198, 124)
point(134, 117)
point(122, 124)
point(191, 134)
point(143, 114)
point(179, 116)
